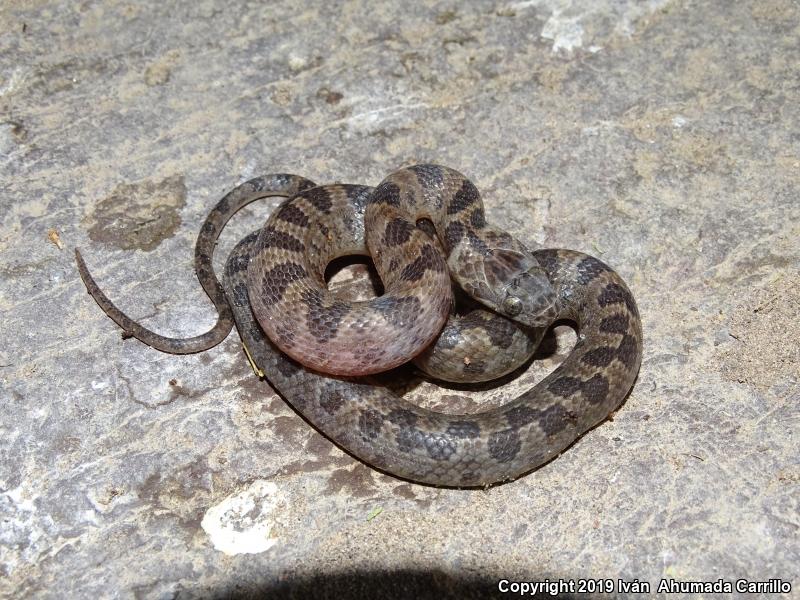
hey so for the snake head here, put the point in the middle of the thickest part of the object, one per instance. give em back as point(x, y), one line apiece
point(515, 285)
point(529, 298)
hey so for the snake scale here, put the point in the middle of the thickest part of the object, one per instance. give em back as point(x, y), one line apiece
point(369, 421)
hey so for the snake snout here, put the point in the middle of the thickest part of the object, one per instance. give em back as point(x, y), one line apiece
point(544, 311)
point(531, 299)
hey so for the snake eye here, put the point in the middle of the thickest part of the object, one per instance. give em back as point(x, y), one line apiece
point(512, 306)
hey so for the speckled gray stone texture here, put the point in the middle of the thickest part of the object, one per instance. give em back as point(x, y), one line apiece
point(661, 136)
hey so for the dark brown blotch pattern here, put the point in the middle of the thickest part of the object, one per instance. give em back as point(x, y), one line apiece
point(240, 297)
point(599, 357)
point(555, 418)
point(594, 390)
point(222, 206)
point(428, 259)
point(273, 238)
point(504, 445)
point(615, 324)
point(477, 219)
point(628, 351)
point(332, 403)
point(370, 422)
point(438, 446)
point(323, 321)
point(519, 416)
point(291, 213)
point(408, 438)
point(469, 478)
point(402, 417)
point(548, 260)
point(428, 176)
point(275, 281)
point(358, 195)
point(386, 193)
point(551, 420)
point(319, 198)
point(237, 264)
point(463, 198)
point(202, 261)
point(589, 268)
point(565, 386)
point(499, 330)
point(398, 232)
point(305, 185)
point(288, 367)
point(478, 244)
point(614, 293)
point(464, 429)
point(454, 233)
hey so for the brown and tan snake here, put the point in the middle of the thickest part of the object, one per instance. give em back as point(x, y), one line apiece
point(369, 421)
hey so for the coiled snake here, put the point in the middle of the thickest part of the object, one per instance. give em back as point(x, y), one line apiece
point(279, 269)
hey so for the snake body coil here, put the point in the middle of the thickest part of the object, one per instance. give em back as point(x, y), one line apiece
point(374, 424)
point(315, 327)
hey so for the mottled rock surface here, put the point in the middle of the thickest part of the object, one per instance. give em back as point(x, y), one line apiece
point(661, 136)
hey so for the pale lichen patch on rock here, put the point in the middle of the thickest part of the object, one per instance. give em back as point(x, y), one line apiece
point(138, 216)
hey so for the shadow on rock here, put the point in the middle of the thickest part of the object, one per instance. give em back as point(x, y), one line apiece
point(403, 584)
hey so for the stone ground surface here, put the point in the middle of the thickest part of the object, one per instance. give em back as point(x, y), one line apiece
point(661, 136)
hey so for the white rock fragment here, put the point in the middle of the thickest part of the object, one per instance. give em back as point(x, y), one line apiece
point(565, 32)
point(297, 63)
point(678, 121)
point(241, 524)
